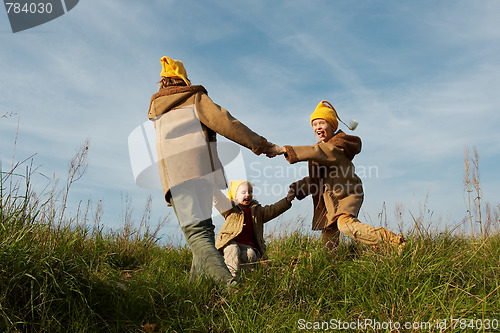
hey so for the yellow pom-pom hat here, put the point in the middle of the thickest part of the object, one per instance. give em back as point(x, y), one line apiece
point(233, 188)
point(173, 68)
point(326, 111)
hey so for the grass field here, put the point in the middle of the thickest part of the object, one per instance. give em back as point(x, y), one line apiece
point(58, 274)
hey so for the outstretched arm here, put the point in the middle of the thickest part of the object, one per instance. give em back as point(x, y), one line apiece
point(222, 122)
point(302, 188)
point(221, 202)
point(269, 212)
point(323, 153)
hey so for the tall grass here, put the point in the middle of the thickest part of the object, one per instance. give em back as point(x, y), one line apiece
point(63, 274)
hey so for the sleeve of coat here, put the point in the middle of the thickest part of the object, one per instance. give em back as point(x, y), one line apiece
point(269, 212)
point(302, 188)
point(323, 153)
point(222, 122)
point(221, 202)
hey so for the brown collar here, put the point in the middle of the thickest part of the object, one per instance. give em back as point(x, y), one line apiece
point(167, 91)
point(349, 143)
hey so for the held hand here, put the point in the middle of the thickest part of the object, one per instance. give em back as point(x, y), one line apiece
point(269, 148)
point(273, 150)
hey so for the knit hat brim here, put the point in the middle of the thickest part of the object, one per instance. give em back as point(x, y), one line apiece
point(233, 188)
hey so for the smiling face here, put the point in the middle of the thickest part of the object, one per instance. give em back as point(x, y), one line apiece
point(323, 129)
point(244, 194)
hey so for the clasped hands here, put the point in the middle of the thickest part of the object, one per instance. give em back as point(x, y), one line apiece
point(271, 150)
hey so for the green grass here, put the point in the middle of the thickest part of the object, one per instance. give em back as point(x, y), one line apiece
point(71, 277)
point(76, 280)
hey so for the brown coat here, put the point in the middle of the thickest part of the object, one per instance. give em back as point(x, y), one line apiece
point(235, 218)
point(186, 122)
point(334, 186)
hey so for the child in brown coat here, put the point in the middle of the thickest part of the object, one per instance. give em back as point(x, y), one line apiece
point(336, 190)
point(241, 239)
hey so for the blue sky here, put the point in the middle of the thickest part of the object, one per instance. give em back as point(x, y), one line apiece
point(421, 78)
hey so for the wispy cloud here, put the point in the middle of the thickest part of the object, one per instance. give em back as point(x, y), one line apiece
point(419, 77)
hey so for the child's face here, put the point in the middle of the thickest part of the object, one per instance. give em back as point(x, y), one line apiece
point(323, 130)
point(244, 194)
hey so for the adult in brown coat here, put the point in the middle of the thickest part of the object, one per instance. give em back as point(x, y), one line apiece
point(187, 121)
point(336, 190)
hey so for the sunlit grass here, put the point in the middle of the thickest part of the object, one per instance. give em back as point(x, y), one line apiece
point(58, 274)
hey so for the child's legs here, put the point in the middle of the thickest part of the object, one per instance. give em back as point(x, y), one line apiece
point(330, 236)
point(235, 254)
point(232, 257)
point(364, 233)
point(247, 253)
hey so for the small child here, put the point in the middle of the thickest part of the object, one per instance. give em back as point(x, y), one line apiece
point(241, 239)
point(336, 190)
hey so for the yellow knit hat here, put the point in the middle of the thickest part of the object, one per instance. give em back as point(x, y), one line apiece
point(173, 68)
point(326, 111)
point(233, 188)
